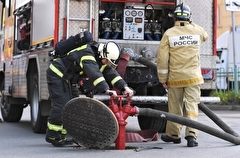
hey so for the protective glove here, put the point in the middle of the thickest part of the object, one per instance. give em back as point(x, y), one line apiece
point(112, 93)
point(128, 91)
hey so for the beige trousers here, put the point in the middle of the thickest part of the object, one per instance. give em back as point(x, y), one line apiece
point(183, 102)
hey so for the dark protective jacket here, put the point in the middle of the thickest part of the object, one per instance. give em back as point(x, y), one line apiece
point(84, 62)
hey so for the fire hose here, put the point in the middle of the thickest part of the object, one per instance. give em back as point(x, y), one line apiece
point(190, 123)
point(216, 119)
point(126, 110)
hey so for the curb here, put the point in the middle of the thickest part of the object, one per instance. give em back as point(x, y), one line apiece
point(223, 107)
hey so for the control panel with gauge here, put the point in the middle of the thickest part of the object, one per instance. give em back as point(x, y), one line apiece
point(133, 24)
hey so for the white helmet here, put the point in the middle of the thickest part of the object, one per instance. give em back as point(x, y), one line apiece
point(110, 51)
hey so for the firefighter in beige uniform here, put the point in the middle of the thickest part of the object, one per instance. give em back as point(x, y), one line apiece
point(179, 71)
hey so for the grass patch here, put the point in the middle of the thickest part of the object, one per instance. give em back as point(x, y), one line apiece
point(227, 97)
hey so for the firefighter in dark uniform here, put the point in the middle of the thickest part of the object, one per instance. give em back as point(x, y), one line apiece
point(93, 61)
point(179, 71)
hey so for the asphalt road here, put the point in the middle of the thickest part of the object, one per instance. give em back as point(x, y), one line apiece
point(18, 141)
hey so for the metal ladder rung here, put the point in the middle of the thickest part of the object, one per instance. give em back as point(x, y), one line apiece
point(79, 19)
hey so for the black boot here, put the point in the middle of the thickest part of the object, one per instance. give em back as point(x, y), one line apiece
point(191, 141)
point(57, 139)
point(166, 138)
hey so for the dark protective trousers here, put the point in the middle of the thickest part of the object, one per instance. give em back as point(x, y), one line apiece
point(60, 93)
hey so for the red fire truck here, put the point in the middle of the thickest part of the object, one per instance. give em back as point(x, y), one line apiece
point(31, 28)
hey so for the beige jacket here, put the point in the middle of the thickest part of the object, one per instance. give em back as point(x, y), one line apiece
point(178, 59)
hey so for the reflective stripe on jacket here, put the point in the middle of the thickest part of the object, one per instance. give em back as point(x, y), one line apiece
point(84, 62)
point(56, 71)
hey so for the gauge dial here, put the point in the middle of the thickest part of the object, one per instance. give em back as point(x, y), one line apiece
point(140, 13)
point(134, 13)
point(127, 13)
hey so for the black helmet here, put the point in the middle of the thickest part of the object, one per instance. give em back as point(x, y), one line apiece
point(182, 12)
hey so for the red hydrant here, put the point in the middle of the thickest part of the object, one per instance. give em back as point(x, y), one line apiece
point(121, 113)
